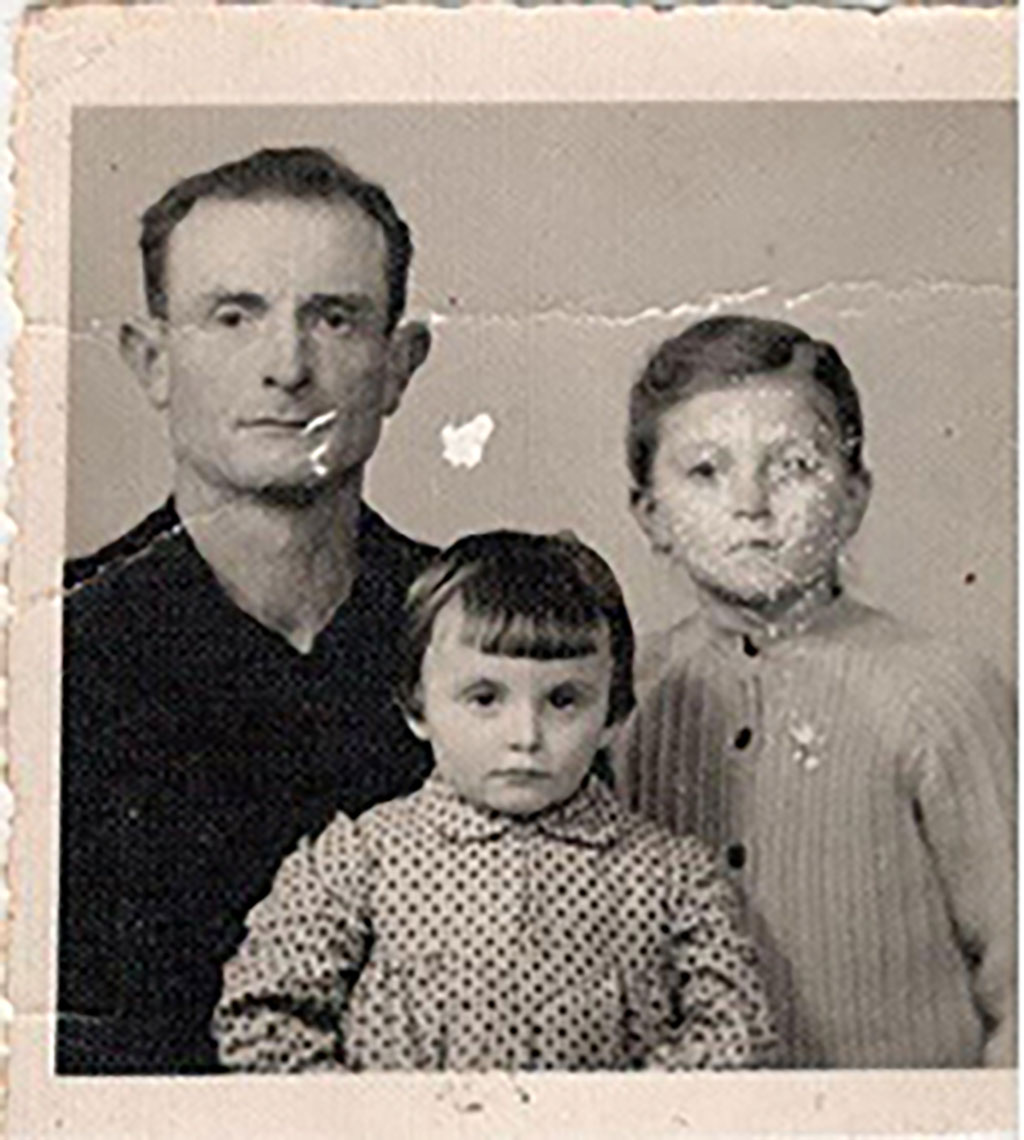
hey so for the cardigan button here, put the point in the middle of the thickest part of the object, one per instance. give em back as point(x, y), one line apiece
point(736, 856)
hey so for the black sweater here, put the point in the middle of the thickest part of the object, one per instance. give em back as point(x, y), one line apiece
point(198, 747)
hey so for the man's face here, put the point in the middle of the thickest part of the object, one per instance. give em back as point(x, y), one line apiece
point(277, 369)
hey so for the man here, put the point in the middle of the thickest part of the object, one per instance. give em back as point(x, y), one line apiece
point(228, 663)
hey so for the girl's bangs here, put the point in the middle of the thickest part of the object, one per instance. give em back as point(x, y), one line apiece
point(544, 637)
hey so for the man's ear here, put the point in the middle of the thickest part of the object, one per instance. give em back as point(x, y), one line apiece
point(142, 349)
point(858, 496)
point(408, 348)
point(649, 515)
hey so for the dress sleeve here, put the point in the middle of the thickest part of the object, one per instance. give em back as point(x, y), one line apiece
point(285, 990)
point(720, 1011)
point(963, 785)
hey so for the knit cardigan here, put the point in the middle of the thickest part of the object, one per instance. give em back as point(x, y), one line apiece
point(856, 779)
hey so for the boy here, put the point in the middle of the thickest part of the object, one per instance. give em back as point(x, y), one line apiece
point(856, 776)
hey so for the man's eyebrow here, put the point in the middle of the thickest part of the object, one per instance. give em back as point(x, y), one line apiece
point(251, 302)
point(357, 304)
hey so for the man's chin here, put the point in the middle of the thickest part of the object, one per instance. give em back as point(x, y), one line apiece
point(301, 488)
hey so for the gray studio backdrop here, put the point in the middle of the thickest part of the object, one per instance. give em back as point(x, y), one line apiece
point(557, 245)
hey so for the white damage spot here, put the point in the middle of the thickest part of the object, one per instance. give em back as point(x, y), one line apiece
point(317, 456)
point(464, 444)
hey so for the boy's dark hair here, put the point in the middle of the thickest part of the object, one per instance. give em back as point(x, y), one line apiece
point(545, 597)
point(305, 173)
point(735, 347)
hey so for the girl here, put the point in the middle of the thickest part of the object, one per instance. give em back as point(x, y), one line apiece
point(509, 915)
point(855, 776)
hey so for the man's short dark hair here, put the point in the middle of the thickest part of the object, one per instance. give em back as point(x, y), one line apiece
point(733, 347)
point(304, 173)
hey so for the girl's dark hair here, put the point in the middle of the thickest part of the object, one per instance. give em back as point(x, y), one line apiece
point(304, 173)
point(734, 347)
point(547, 597)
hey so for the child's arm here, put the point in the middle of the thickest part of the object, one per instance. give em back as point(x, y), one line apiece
point(285, 990)
point(963, 788)
point(644, 753)
point(723, 1017)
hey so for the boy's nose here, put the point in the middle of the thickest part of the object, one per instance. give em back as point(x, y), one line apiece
point(750, 494)
point(524, 728)
point(287, 363)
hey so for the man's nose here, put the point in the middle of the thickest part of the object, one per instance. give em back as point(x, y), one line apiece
point(750, 493)
point(524, 733)
point(288, 364)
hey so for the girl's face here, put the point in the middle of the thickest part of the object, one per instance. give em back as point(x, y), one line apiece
point(750, 491)
point(510, 733)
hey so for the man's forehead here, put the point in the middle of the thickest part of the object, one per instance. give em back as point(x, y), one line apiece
point(324, 245)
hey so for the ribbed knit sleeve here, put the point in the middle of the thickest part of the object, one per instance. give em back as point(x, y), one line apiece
point(642, 783)
point(962, 778)
point(285, 990)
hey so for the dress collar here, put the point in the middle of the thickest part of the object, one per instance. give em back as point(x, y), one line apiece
point(591, 817)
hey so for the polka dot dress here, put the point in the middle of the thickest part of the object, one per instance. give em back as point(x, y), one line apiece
point(431, 934)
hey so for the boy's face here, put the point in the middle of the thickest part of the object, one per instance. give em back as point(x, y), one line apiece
point(510, 733)
point(750, 491)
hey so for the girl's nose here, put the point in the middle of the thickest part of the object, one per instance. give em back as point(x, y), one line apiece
point(524, 727)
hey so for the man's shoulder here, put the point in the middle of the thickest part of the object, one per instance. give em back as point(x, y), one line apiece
point(387, 548)
point(148, 538)
point(123, 615)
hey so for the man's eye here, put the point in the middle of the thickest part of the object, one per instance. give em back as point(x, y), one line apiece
point(337, 319)
point(229, 318)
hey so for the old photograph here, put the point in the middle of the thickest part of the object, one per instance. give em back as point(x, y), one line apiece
point(537, 591)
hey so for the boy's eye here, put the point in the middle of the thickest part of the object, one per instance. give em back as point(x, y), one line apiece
point(703, 471)
point(798, 463)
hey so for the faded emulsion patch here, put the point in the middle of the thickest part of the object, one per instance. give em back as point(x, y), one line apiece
point(463, 444)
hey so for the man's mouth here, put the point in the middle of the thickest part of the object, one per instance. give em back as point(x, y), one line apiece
point(521, 775)
point(300, 425)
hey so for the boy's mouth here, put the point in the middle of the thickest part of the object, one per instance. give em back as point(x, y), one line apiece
point(763, 545)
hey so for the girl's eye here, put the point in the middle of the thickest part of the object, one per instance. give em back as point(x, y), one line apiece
point(482, 698)
point(564, 698)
